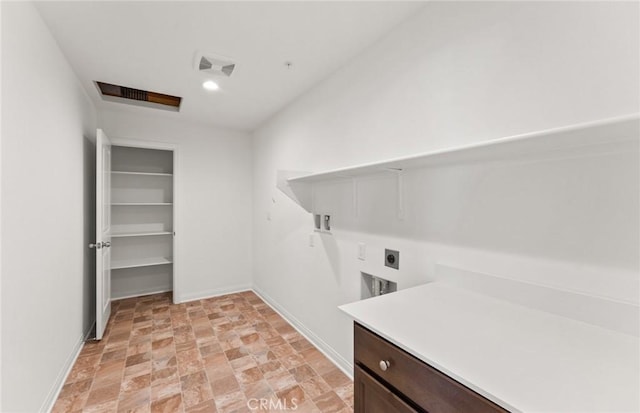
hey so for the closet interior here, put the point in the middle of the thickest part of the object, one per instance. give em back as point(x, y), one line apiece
point(142, 199)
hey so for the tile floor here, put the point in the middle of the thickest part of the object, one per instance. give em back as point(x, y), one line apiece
point(224, 354)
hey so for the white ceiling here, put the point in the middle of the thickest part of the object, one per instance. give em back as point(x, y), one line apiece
point(152, 46)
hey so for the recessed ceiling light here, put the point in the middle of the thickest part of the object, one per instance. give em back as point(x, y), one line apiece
point(210, 85)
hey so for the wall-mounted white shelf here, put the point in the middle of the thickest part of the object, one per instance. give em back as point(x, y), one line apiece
point(140, 203)
point(140, 173)
point(579, 137)
point(140, 262)
point(139, 234)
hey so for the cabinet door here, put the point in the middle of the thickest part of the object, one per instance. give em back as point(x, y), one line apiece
point(372, 397)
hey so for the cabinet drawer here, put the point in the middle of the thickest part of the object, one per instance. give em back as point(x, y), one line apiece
point(373, 397)
point(421, 383)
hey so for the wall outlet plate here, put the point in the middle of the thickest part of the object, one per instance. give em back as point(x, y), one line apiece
point(391, 258)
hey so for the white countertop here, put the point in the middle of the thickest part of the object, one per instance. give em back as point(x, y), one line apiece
point(520, 358)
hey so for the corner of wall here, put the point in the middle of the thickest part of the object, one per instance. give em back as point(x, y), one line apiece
point(333, 355)
point(1, 409)
point(56, 388)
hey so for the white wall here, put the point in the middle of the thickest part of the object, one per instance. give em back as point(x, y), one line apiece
point(47, 159)
point(458, 73)
point(213, 199)
point(0, 216)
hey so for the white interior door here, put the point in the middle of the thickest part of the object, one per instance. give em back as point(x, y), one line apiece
point(103, 232)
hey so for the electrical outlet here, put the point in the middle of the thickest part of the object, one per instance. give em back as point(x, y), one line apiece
point(311, 239)
point(392, 258)
point(362, 251)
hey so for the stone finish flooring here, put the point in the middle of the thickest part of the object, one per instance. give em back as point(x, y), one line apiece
point(224, 354)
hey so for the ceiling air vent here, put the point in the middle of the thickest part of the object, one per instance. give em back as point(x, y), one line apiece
point(215, 65)
point(138, 97)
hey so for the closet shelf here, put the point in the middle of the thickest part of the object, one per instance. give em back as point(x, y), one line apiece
point(139, 234)
point(141, 173)
point(140, 203)
point(579, 139)
point(140, 262)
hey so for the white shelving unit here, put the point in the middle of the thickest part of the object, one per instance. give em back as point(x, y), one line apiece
point(140, 262)
point(140, 203)
point(575, 140)
point(140, 173)
point(142, 191)
point(139, 234)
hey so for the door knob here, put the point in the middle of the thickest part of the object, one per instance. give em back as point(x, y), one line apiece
point(106, 244)
point(96, 246)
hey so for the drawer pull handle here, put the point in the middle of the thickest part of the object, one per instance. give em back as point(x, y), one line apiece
point(384, 365)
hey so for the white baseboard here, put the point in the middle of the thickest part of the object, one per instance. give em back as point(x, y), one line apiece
point(343, 364)
point(211, 293)
point(51, 398)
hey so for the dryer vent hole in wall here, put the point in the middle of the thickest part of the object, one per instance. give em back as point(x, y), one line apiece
point(372, 286)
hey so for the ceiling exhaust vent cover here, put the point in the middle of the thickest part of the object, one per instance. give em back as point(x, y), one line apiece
point(138, 97)
point(215, 65)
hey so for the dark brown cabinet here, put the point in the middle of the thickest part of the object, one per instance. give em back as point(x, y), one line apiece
point(373, 397)
point(389, 380)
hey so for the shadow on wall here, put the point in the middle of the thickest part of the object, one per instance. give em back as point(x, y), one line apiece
point(579, 208)
point(333, 255)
